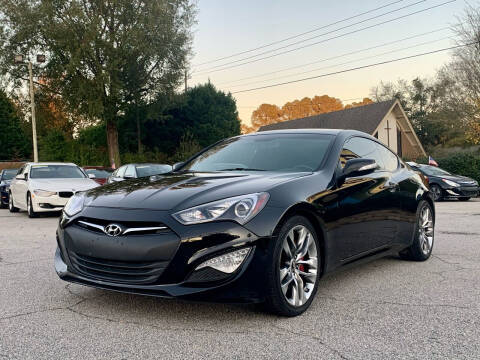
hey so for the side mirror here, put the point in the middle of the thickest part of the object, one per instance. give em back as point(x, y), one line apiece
point(177, 166)
point(91, 176)
point(357, 167)
point(22, 177)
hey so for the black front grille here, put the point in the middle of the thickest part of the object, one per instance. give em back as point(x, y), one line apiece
point(117, 271)
point(129, 228)
point(65, 194)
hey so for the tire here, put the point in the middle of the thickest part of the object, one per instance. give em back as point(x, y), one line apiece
point(436, 192)
point(31, 214)
point(298, 274)
point(464, 198)
point(11, 207)
point(423, 237)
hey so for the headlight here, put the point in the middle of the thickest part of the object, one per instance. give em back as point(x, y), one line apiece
point(449, 182)
point(226, 263)
point(44, 193)
point(239, 208)
point(74, 205)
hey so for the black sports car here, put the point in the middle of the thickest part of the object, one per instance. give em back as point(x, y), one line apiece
point(6, 176)
point(254, 218)
point(445, 185)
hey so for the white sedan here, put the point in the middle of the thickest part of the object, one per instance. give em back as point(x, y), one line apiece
point(43, 187)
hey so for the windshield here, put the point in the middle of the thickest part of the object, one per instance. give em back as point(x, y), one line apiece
point(56, 172)
point(433, 171)
point(99, 174)
point(152, 169)
point(280, 152)
point(8, 174)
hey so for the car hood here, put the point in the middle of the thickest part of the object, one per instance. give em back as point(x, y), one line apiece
point(463, 180)
point(180, 191)
point(62, 184)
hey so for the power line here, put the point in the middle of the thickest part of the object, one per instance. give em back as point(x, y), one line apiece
point(331, 38)
point(353, 69)
point(345, 63)
point(333, 57)
point(311, 38)
point(298, 35)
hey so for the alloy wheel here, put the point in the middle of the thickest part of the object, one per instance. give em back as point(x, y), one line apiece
point(436, 192)
point(298, 265)
point(10, 202)
point(425, 230)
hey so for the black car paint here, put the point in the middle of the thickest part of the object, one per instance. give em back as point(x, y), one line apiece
point(468, 187)
point(357, 219)
point(4, 187)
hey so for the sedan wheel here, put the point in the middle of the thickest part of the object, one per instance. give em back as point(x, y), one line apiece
point(436, 192)
point(31, 213)
point(293, 279)
point(11, 207)
point(422, 245)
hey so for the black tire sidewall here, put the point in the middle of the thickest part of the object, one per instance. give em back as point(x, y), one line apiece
point(275, 298)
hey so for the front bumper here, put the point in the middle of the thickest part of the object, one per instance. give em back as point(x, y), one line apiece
point(48, 203)
point(461, 192)
point(175, 254)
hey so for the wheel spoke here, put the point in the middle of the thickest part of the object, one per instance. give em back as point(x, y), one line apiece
point(285, 284)
point(300, 290)
point(302, 251)
point(312, 262)
point(283, 273)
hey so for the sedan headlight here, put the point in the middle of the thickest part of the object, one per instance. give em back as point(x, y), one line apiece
point(450, 182)
point(74, 205)
point(239, 208)
point(44, 193)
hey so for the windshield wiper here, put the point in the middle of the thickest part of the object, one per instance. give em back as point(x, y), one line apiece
point(242, 169)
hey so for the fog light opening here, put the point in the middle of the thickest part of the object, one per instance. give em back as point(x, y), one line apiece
point(226, 263)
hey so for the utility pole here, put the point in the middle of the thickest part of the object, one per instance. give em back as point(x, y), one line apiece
point(40, 59)
point(32, 103)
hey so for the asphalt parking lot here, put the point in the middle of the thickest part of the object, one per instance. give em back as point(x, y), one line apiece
point(383, 310)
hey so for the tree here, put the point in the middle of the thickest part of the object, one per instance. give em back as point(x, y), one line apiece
point(14, 143)
point(365, 101)
point(266, 114)
point(102, 55)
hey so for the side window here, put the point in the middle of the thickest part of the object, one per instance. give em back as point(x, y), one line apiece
point(121, 171)
point(358, 147)
point(130, 172)
point(389, 158)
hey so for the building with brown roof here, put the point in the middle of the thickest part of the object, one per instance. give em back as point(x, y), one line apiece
point(384, 120)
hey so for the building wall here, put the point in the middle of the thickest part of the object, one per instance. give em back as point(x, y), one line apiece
point(382, 132)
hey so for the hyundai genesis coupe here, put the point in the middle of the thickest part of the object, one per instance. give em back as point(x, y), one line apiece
point(254, 218)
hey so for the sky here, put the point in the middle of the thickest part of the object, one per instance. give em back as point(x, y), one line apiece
point(226, 27)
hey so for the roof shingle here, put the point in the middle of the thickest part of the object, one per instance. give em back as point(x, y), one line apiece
point(363, 118)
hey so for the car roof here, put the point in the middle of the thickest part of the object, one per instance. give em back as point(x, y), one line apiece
point(334, 132)
point(51, 163)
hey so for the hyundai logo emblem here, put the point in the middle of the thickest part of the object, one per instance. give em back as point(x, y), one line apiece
point(112, 230)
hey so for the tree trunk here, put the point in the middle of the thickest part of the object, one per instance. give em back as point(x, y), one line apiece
point(139, 135)
point(112, 143)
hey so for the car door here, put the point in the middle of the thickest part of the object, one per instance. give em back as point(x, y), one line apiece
point(364, 213)
point(21, 187)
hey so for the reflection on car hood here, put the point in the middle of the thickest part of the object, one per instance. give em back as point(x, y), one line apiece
point(62, 184)
point(458, 179)
point(183, 190)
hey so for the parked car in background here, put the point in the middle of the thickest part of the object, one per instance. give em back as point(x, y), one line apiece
point(43, 187)
point(6, 175)
point(132, 171)
point(256, 218)
point(98, 173)
point(445, 185)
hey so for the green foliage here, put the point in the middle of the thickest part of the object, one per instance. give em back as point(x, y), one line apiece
point(14, 143)
point(187, 148)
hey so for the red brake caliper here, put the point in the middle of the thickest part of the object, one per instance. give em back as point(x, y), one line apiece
point(301, 267)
